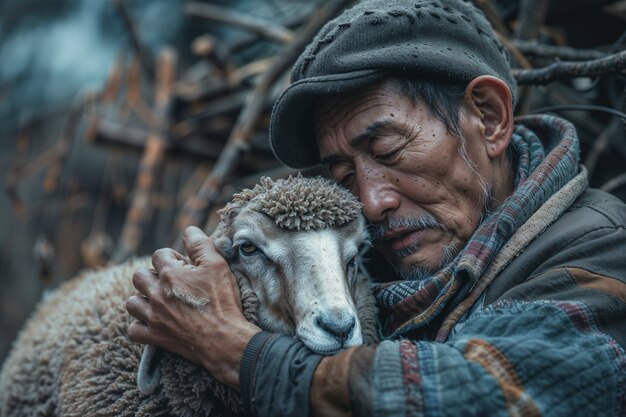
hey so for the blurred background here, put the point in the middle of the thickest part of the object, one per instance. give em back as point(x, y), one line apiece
point(123, 121)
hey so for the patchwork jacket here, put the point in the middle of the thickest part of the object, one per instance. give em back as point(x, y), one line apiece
point(542, 332)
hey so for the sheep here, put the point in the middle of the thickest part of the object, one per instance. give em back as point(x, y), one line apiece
point(294, 247)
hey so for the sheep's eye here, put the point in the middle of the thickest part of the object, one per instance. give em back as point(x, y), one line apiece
point(351, 263)
point(351, 271)
point(248, 248)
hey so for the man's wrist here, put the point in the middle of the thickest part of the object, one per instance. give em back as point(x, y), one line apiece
point(228, 369)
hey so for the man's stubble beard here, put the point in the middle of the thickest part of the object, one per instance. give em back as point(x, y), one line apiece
point(423, 222)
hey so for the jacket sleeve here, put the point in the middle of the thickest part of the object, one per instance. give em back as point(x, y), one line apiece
point(275, 376)
point(526, 358)
point(512, 358)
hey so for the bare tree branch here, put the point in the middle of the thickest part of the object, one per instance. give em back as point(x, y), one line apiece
point(144, 57)
point(263, 27)
point(536, 49)
point(612, 64)
point(139, 211)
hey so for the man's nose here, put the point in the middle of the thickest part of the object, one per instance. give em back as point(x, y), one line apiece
point(377, 195)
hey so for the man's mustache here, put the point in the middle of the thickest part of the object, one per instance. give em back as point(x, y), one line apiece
point(424, 221)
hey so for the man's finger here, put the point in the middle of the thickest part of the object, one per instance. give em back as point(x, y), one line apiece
point(167, 257)
point(145, 281)
point(138, 307)
point(198, 245)
point(138, 332)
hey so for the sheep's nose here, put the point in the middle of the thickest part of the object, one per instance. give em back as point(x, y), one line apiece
point(340, 326)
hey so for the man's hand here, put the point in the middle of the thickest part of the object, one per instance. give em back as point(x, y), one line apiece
point(192, 307)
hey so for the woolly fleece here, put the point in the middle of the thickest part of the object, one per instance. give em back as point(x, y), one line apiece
point(299, 202)
point(73, 357)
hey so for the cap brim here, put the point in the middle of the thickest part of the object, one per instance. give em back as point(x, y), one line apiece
point(292, 135)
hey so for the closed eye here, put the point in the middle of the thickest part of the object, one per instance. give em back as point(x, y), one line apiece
point(346, 181)
point(342, 172)
point(387, 155)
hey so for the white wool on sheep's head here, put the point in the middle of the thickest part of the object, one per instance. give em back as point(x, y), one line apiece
point(299, 203)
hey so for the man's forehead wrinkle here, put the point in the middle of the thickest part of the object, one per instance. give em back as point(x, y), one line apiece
point(330, 114)
point(374, 130)
point(329, 111)
point(334, 115)
point(378, 129)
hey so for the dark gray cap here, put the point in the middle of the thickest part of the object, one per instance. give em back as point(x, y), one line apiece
point(440, 39)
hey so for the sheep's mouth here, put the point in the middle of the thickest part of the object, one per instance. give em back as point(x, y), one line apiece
point(325, 345)
point(326, 350)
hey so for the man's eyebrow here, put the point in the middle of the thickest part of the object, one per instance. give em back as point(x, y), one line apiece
point(372, 131)
point(328, 160)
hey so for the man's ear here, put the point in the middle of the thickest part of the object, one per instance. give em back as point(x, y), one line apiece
point(489, 98)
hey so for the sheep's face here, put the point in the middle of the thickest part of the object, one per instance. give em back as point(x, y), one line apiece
point(305, 280)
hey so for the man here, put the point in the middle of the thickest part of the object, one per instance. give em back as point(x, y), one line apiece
point(513, 295)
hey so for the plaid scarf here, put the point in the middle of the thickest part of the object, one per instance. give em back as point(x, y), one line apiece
point(414, 304)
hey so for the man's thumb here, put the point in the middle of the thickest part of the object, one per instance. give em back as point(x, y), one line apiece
point(197, 244)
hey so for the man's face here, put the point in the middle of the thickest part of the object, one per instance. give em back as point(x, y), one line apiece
point(420, 191)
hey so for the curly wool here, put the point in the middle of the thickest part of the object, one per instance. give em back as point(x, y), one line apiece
point(299, 203)
point(73, 357)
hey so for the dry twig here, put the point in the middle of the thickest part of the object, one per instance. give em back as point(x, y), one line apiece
point(263, 27)
point(133, 139)
point(144, 57)
point(612, 64)
point(139, 211)
point(536, 49)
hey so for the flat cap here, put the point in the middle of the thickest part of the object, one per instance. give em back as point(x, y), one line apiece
point(435, 39)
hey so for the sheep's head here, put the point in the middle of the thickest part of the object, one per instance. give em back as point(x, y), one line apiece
point(297, 241)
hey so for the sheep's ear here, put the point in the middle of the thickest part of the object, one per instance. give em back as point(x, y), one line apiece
point(149, 372)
